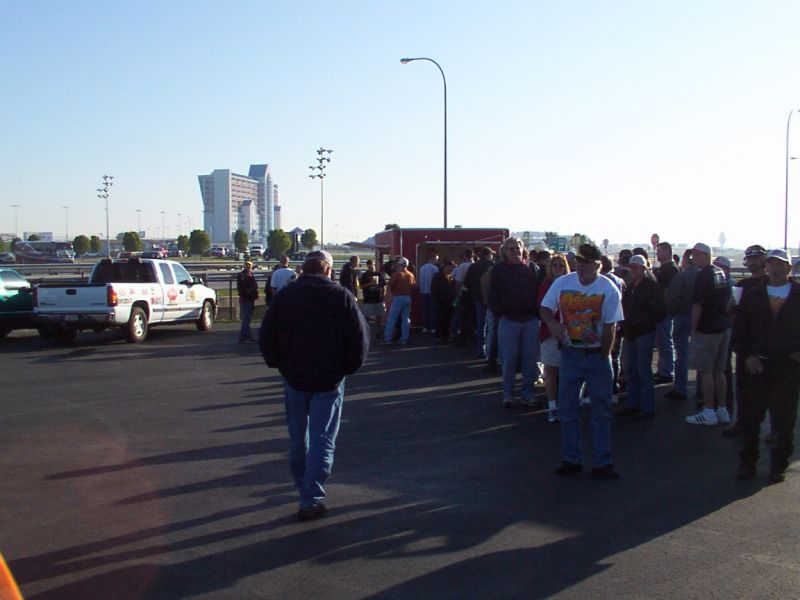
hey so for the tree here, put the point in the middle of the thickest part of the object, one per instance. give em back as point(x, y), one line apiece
point(309, 239)
point(131, 241)
point(95, 244)
point(199, 241)
point(34, 238)
point(80, 245)
point(183, 243)
point(2, 246)
point(278, 242)
point(390, 226)
point(240, 240)
point(579, 239)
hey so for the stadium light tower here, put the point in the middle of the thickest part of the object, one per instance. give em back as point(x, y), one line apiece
point(321, 160)
point(107, 183)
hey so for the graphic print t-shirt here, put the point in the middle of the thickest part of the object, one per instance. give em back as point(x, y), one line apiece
point(777, 296)
point(584, 308)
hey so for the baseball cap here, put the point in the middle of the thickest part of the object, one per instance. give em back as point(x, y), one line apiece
point(701, 247)
point(638, 260)
point(780, 255)
point(403, 262)
point(722, 261)
point(755, 250)
point(588, 253)
point(248, 264)
point(320, 255)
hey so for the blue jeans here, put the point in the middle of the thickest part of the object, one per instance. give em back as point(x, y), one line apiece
point(639, 369)
point(594, 369)
point(519, 345)
point(428, 311)
point(680, 336)
point(491, 337)
point(666, 348)
point(246, 314)
point(401, 307)
point(313, 420)
point(480, 329)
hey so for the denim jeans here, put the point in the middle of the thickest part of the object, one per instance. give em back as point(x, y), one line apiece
point(428, 311)
point(246, 314)
point(401, 307)
point(480, 329)
point(313, 420)
point(594, 369)
point(519, 345)
point(639, 369)
point(680, 336)
point(666, 348)
point(491, 337)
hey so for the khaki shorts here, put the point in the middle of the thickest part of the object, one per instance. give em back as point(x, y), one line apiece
point(708, 352)
point(373, 309)
point(551, 355)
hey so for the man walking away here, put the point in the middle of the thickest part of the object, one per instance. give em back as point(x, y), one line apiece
point(281, 276)
point(315, 335)
point(373, 284)
point(348, 276)
point(665, 273)
point(247, 287)
point(426, 274)
point(768, 337)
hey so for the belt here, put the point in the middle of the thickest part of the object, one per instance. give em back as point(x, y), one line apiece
point(595, 350)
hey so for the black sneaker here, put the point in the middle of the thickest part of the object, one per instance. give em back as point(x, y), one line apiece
point(605, 472)
point(568, 468)
point(658, 379)
point(747, 469)
point(674, 394)
point(309, 514)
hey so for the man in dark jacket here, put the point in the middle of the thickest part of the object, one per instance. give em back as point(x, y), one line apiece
point(643, 306)
point(472, 283)
point(665, 273)
point(247, 287)
point(348, 276)
point(315, 335)
point(767, 335)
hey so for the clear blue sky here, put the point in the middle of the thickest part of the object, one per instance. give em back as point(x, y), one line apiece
point(615, 119)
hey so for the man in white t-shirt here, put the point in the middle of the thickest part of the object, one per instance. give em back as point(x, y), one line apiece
point(424, 279)
point(281, 276)
point(590, 307)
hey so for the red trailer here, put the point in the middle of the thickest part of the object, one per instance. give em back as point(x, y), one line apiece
point(415, 244)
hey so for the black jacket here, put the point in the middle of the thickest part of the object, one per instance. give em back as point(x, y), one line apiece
point(472, 280)
point(314, 333)
point(247, 286)
point(643, 306)
point(665, 274)
point(757, 332)
point(513, 290)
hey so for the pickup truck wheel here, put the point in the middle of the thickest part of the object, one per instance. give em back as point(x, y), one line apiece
point(206, 320)
point(137, 326)
point(64, 335)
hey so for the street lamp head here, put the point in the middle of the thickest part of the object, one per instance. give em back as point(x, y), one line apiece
point(405, 61)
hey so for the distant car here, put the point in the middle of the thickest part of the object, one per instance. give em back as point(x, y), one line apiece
point(157, 254)
point(218, 251)
point(6, 258)
point(256, 250)
point(16, 302)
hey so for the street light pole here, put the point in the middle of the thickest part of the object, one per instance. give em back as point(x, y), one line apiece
point(405, 61)
point(107, 183)
point(177, 235)
point(163, 233)
point(321, 159)
point(786, 191)
point(139, 221)
point(16, 221)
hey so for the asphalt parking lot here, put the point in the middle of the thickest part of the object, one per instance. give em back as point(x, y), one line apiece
point(158, 471)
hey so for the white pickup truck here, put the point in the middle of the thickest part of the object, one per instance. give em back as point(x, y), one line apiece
point(132, 294)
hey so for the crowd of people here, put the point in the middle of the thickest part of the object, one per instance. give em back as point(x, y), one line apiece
point(588, 331)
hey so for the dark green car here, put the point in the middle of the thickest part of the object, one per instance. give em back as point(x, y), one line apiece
point(16, 302)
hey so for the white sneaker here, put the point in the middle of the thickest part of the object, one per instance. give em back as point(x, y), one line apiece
point(723, 416)
point(705, 417)
point(552, 415)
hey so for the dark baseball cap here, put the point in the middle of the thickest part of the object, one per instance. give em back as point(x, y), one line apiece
point(755, 250)
point(588, 253)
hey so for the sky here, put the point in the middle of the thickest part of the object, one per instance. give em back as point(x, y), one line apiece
point(617, 119)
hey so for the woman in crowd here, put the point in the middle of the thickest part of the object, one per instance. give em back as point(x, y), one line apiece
point(551, 353)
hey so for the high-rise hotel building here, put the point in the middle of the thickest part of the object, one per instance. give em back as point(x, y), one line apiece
point(232, 201)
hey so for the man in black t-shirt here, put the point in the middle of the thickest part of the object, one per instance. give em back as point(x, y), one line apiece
point(373, 285)
point(711, 335)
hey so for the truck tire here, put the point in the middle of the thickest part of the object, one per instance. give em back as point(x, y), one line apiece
point(137, 326)
point(206, 320)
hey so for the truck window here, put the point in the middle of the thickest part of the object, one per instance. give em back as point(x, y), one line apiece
point(166, 273)
point(182, 275)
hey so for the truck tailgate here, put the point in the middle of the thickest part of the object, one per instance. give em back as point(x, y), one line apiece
point(76, 297)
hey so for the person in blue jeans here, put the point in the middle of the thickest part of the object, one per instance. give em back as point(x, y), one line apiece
point(679, 305)
point(643, 306)
point(314, 333)
point(400, 285)
point(247, 288)
point(590, 307)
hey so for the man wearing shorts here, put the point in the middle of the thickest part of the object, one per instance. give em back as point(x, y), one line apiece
point(711, 336)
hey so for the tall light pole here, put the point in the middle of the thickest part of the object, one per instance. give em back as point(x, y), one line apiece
point(163, 233)
point(139, 221)
point(107, 183)
point(786, 199)
point(66, 221)
point(177, 235)
point(16, 220)
point(321, 159)
point(405, 61)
